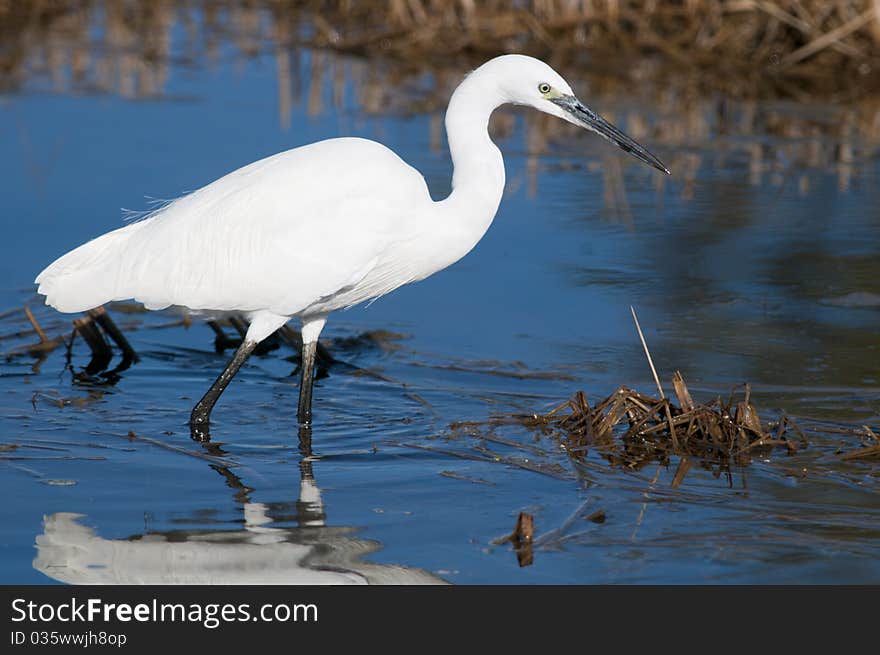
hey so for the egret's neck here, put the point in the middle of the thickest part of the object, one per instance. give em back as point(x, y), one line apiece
point(478, 173)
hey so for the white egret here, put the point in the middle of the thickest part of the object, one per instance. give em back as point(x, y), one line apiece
point(317, 228)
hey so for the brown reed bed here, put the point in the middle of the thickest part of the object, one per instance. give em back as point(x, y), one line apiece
point(745, 47)
point(766, 47)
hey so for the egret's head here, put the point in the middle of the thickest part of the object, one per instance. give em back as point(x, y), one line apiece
point(528, 81)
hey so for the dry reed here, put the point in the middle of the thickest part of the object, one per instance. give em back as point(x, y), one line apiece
point(631, 429)
point(748, 47)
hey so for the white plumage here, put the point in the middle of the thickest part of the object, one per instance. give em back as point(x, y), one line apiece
point(317, 228)
point(261, 240)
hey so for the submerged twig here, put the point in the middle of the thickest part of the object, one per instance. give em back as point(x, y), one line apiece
point(555, 534)
point(35, 325)
point(132, 436)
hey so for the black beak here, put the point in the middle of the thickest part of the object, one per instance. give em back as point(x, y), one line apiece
point(586, 118)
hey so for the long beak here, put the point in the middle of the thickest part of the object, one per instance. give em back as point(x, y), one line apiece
point(580, 115)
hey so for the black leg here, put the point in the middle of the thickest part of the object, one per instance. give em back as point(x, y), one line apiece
point(305, 440)
point(129, 356)
point(221, 340)
point(199, 420)
point(304, 412)
point(101, 353)
point(239, 325)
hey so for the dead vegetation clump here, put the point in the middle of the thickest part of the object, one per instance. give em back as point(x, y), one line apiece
point(631, 429)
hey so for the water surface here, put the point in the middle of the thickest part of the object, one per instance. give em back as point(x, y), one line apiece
point(755, 262)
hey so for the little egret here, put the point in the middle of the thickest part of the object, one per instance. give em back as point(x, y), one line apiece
point(317, 228)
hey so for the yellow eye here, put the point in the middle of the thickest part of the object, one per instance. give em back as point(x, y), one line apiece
point(544, 88)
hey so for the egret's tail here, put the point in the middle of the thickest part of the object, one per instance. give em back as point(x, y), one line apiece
point(86, 276)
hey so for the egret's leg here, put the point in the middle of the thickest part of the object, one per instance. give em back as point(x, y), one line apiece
point(200, 418)
point(304, 412)
point(129, 356)
point(262, 324)
point(310, 330)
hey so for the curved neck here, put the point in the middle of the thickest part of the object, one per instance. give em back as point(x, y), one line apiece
point(478, 169)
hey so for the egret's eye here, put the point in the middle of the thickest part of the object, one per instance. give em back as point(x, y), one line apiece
point(544, 88)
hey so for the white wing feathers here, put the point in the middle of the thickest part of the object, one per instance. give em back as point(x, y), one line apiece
point(307, 227)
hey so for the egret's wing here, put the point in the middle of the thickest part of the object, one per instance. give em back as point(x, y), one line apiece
point(281, 234)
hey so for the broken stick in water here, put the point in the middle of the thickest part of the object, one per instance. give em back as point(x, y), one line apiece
point(647, 352)
point(35, 325)
point(522, 538)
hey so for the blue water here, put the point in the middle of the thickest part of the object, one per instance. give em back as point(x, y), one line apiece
point(768, 277)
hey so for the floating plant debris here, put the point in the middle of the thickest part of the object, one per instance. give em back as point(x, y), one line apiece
point(869, 451)
point(522, 538)
point(631, 429)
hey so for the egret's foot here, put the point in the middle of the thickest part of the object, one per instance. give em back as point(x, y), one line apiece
point(199, 425)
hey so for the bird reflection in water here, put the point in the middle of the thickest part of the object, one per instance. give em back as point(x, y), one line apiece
point(312, 553)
